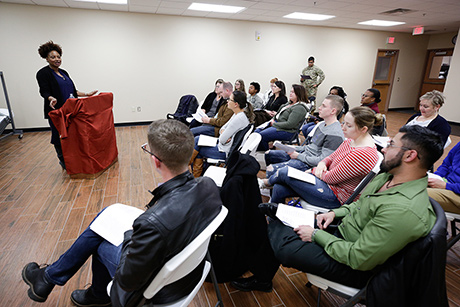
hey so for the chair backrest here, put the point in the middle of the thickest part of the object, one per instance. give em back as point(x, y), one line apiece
point(364, 182)
point(187, 260)
point(240, 137)
point(186, 107)
point(414, 276)
point(250, 145)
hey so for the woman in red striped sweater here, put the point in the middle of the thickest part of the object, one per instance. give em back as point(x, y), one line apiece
point(338, 174)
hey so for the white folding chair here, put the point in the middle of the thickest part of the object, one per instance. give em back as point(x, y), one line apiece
point(357, 190)
point(248, 147)
point(185, 262)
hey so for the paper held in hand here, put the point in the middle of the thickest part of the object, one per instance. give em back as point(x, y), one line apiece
point(284, 147)
point(114, 221)
point(206, 140)
point(199, 115)
point(294, 217)
point(299, 175)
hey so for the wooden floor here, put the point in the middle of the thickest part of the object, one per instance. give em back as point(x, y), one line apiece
point(42, 211)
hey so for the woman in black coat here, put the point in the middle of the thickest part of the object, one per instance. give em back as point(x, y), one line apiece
point(55, 88)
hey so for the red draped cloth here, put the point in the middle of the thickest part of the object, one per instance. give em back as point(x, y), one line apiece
point(87, 133)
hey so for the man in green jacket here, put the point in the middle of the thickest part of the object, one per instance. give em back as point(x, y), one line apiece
point(393, 211)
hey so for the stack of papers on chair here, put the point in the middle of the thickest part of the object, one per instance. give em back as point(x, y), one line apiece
point(302, 176)
point(217, 174)
point(114, 221)
point(295, 217)
point(206, 140)
point(284, 147)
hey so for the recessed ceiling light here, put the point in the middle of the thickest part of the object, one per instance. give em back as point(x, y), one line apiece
point(307, 16)
point(381, 23)
point(215, 8)
point(106, 1)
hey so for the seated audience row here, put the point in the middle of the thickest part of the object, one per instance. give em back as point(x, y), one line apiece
point(393, 211)
point(338, 174)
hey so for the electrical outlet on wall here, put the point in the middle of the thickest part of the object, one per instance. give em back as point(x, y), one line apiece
point(138, 109)
point(133, 109)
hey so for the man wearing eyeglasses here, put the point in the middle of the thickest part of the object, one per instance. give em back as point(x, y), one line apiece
point(180, 209)
point(212, 125)
point(393, 210)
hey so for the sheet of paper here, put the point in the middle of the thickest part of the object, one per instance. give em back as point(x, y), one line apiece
point(284, 147)
point(294, 217)
point(4, 112)
point(217, 174)
point(206, 140)
point(114, 221)
point(434, 176)
point(300, 175)
point(199, 115)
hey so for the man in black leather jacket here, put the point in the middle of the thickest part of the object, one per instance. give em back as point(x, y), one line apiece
point(180, 210)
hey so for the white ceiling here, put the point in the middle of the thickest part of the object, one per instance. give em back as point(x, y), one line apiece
point(436, 16)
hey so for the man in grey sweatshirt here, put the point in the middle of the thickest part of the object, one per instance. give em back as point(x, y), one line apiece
point(326, 139)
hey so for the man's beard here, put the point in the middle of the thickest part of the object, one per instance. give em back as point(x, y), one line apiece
point(387, 166)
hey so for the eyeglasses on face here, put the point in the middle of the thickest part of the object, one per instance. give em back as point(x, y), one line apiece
point(144, 148)
point(392, 144)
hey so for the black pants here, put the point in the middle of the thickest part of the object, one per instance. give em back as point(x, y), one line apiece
point(291, 251)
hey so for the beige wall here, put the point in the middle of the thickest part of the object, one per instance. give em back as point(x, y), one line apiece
point(451, 110)
point(444, 41)
point(152, 60)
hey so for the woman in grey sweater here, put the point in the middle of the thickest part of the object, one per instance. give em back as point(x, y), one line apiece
point(237, 103)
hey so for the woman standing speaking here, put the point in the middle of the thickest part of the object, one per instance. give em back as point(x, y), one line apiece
point(55, 87)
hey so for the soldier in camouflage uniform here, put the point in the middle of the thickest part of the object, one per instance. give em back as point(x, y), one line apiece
point(316, 75)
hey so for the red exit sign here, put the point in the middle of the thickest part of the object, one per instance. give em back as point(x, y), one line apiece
point(417, 31)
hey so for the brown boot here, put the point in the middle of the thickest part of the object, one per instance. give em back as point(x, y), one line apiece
point(194, 154)
point(197, 167)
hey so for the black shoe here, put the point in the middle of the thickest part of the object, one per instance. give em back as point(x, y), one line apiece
point(34, 276)
point(62, 164)
point(86, 298)
point(269, 209)
point(252, 284)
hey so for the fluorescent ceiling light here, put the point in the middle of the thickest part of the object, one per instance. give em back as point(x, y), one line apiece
point(106, 1)
point(215, 8)
point(307, 16)
point(381, 23)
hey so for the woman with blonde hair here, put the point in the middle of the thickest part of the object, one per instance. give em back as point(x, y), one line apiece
point(429, 117)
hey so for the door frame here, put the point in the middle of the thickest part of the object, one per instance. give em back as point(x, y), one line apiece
point(391, 79)
point(426, 69)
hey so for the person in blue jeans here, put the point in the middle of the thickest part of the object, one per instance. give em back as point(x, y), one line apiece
point(283, 126)
point(326, 139)
point(164, 229)
point(237, 103)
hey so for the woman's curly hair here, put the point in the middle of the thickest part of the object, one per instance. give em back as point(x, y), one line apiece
point(47, 47)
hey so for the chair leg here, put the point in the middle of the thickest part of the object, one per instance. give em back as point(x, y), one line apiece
point(355, 299)
point(318, 302)
point(454, 235)
point(214, 282)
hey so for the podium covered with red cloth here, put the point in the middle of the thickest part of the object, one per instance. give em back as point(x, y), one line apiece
point(87, 133)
